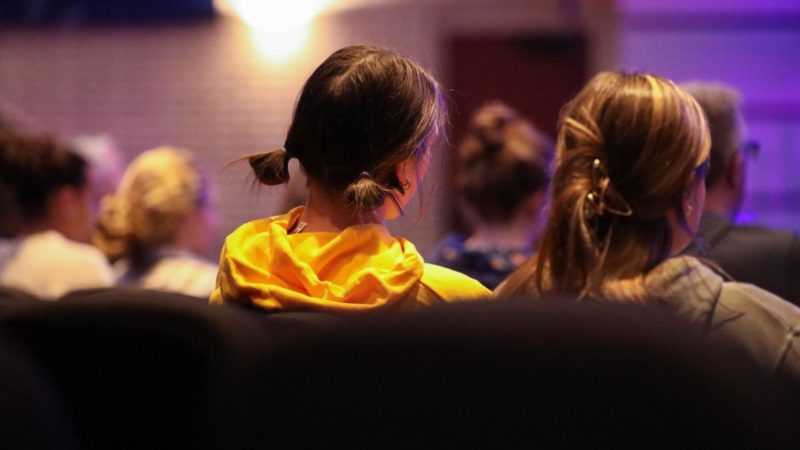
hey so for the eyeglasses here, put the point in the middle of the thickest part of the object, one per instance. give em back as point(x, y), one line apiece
point(750, 149)
point(702, 170)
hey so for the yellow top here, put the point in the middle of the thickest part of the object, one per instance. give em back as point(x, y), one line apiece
point(361, 268)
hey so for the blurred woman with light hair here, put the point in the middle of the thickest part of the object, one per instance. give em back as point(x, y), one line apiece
point(159, 222)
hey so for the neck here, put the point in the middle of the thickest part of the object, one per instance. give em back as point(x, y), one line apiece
point(681, 237)
point(325, 211)
point(182, 243)
point(722, 203)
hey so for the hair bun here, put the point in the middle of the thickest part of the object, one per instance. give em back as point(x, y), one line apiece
point(271, 168)
point(489, 123)
point(365, 194)
point(114, 236)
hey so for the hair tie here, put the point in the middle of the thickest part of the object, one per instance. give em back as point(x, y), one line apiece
point(598, 198)
point(364, 175)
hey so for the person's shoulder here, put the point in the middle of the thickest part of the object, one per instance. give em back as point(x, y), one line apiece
point(250, 235)
point(251, 228)
point(766, 325)
point(449, 249)
point(451, 285)
point(186, 274)
point(746, 296)
point(49, 265)
point(189, 263)
point(762, 236)
point(60, 249)
point(258, 229)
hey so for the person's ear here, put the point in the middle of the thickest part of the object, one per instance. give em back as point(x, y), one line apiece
point(406, 173)
point(735, 174)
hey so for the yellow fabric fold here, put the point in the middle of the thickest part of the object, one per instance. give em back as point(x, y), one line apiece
point(361, 268)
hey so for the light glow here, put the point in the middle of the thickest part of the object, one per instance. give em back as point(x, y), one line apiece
point(279, 47)
point(274, 16)
point(279, 29)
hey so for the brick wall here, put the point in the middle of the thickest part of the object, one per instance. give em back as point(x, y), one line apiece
point(205, 85)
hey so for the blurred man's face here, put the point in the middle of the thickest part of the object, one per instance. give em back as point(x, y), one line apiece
point(741, 138)
point(73, 212)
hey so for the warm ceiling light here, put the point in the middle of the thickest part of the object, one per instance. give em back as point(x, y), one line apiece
point(273, 16)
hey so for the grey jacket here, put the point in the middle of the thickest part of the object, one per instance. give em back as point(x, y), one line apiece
point(765, 326)
point(753, 254)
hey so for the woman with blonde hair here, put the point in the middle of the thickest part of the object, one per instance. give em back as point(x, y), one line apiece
point(159, 222)
point(363, 130)
point(627, 195)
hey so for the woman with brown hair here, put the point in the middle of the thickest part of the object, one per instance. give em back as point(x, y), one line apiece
point(363, 129)
point(627, 195)
point(502, 176)
point(47, 216)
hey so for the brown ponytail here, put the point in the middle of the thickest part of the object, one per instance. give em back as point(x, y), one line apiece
point(365, 194)
point(271, 168)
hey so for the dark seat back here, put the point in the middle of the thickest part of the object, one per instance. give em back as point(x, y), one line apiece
point(140, 369)
point(12, 296)
point(549, 375)
point(31, 416)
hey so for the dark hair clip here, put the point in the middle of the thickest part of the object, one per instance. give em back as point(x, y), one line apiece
point(597, 197)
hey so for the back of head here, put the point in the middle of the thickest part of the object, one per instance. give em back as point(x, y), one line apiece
point(363, 111)
point(502, 160)
point(627, 150)
point(32, 170)
point(721, 104)
point(159, 189)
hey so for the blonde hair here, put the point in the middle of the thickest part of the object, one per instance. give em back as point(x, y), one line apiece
point(627, 151)
point(159, 189)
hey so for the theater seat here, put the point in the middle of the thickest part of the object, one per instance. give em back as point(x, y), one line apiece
point(140, 369)
point(12, 296)
point(511, 375)
point(31, 416)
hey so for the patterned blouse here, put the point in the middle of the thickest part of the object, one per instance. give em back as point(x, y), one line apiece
point(490, 266)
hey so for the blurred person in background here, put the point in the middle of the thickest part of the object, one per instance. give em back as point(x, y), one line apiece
point(750, 253)
point(48, 212)
point(503, 173)
point(159, 223)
